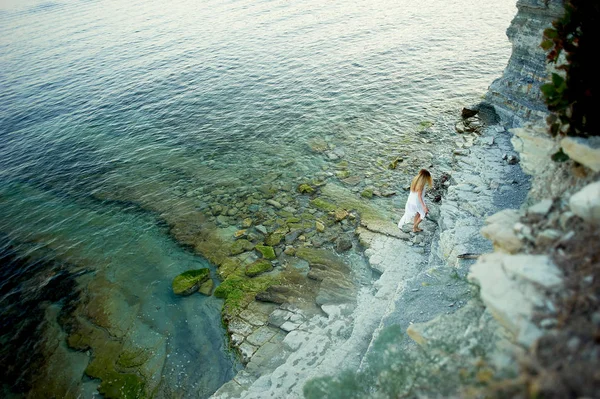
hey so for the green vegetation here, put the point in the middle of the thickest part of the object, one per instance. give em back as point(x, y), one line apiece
point(572, 95)
point(239, 290)
point(305, 189)
point(258, 267)
point(188, 282)
point(266, 251)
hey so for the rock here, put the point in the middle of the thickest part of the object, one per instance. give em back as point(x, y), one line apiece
point(535, 146)
point(266, 251)
point(586, 151)
point(261, 336)
point(547, 237)
point(319, 226)
point(512, 286)
point(394, 163)
point(340, 214)
point(188, 282)
point(247, 222)
point(367, 193)
point(343, 243)
point(247, 350)
point(274, 203)
point(305, 188)
point(499, 229)
point(240, 246)
point(468, 113)
point(461, 152)
point(540, 209)
point(292, 236)
point(274, 239)
point(206, 287)
point(258, 267)
point(512, 159)
point(240, 233)
point(586, 203)
point(261, 229)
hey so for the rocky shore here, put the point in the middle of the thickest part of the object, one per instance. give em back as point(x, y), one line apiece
point(420, 276)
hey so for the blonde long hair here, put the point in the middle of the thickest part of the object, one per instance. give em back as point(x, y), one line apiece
point(418, 182)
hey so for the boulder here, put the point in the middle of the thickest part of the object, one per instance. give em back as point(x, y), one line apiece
point(583, 150)
point(500, 230)
point(258, 267)
point(266, 251)
point(512, 286)
point(188, 282)
point(586, 203)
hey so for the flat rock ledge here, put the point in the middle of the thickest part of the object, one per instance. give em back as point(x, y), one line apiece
point(422, 284)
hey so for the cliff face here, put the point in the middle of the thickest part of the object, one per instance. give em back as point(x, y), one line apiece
point(516, 95)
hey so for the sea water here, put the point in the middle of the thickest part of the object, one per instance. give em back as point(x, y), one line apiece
point(119, 118)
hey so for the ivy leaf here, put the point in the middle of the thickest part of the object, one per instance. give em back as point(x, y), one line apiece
point(560, 156)
point(547, 45)
point(558, 81)
point(550, 33)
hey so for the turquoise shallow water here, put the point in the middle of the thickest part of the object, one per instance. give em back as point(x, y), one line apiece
point(109, 108)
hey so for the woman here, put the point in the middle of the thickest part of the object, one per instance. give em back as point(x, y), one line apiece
point(415, 208)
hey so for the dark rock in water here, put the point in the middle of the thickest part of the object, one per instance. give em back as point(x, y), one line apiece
point(188, 282)
point(343, 243)
point(468, 113)
point(292, 236)
point(512, 159)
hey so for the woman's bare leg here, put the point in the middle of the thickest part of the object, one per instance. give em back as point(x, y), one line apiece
point(416, 223)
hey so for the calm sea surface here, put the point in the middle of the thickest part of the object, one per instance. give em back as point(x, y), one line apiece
point(114, 115)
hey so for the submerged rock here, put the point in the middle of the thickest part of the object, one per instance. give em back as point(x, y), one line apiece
point(188, 282)
point(258, 267)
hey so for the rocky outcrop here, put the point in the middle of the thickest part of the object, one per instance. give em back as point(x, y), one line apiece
point(516, 95)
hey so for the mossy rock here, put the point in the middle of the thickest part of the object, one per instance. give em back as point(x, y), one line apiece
point(367, 193)
point(240, 246)
point(258, 267)
point(342, 174)
point(323, 205)
point(305, 188)
point(320, 256)
point(274, 239)
point(239, 291)
point(266, 251)
point(395, 163)
point(229, 266)
point(188, 282)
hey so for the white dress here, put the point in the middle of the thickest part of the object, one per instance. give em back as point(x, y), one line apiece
point(412, 207)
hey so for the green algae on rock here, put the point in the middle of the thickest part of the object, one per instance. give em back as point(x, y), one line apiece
point(258, 267)
point(188, 282)
point(305, 188)
point(266, 251)
point(323, 205)
point(238, 291)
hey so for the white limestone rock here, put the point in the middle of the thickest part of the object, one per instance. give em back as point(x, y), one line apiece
point(513, 285)
point(500, 230)
point(535, 147)
point(586, 203)
point(583, 150)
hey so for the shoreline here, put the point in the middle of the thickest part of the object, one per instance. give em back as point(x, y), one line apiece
point(418, 280)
